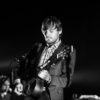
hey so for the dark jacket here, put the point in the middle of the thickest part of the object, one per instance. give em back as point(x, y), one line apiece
point(60, 67)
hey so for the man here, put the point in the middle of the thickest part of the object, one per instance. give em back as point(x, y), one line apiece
point(47, 68)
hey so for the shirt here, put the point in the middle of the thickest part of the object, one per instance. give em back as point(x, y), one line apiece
point(48, 52)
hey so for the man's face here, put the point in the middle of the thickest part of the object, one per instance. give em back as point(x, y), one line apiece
point(51, 35)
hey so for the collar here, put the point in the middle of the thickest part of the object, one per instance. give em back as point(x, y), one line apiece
point(55, 45)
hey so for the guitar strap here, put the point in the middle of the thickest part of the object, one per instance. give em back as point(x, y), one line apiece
point(53, 58)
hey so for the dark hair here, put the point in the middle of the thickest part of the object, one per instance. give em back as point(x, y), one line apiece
point(51, 21)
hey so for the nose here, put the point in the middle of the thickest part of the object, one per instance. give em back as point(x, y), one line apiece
point(48, 33)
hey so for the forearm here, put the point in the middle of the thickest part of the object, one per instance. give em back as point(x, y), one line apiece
point(71, 66)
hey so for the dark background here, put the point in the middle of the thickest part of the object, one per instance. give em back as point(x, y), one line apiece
point(20, 27)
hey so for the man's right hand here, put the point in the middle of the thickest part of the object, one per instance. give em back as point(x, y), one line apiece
point(18, 87)
point(44, 74)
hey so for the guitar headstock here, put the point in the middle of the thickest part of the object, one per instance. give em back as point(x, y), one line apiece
point(61, 54)
point(64, 53)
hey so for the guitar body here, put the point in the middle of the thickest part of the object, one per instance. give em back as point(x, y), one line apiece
point(34, 87)
point(37, 85)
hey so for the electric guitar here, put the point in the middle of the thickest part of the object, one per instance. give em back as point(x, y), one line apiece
point(36, 85)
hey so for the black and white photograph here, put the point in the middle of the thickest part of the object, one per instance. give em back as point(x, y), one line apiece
point(50, 52)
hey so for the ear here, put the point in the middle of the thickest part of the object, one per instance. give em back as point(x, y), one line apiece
point(43, 32)
point(60, 31)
